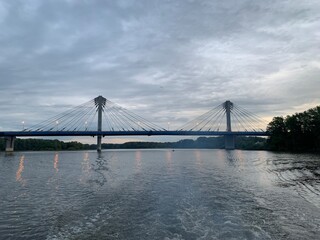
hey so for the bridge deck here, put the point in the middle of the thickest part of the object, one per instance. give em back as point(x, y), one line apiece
point(128, 133)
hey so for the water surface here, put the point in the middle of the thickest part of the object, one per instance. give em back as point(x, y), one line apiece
point(159, 194)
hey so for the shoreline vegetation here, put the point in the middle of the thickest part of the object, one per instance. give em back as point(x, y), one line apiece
point(245, 143)
point(299, 132)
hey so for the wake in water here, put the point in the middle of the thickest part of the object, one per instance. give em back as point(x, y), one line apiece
point(160, 194)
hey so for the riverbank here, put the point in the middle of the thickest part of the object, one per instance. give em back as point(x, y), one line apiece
point(245, 143)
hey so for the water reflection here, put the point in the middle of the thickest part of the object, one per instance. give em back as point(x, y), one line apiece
point(218, 203)
point(169, 159)
point(197, 155)
point(100, 168)
point(298, 173)
point(56, 162)
point(86, 163)
point(85, 167)
point(20, 170)
point(221, 154)
point(138, 161)
point(235, 159)
point(295, 172)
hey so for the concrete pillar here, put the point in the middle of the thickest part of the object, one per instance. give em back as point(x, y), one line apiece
point(228, 139)
point(99, 143)
point(100, 102)
point(10, 143)
point(228, 106)
point(229, 142)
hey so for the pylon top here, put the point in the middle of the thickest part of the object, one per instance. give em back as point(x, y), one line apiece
point(100, 101)
point(228, 104)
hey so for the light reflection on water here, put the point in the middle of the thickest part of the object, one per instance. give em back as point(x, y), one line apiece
point(169, 160)
point(20, 170)
point(160, 194)
point(86, 168)
point(198, 159)
point(138, 161)
point(56, 162)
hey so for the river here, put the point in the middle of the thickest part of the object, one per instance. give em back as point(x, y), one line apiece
point(159, 194)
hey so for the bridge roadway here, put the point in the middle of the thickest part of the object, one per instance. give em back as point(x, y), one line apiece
point(128, 133)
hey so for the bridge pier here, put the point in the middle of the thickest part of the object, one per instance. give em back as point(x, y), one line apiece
point(99, 138)
point(10, 144)
point(100, 102)
point(229, 142)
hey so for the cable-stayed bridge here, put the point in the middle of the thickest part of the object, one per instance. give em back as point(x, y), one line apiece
point(101, 117)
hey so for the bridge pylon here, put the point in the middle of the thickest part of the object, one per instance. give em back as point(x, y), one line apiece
point(229, 138)
point(100, 103)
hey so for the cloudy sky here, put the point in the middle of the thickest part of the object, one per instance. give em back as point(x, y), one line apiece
point(167, 60)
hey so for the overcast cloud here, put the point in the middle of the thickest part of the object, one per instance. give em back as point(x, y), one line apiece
point(167, 60)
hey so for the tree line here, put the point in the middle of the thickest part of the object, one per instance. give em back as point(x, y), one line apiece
point(31, 144)
point(297, 132)
point(254, 143)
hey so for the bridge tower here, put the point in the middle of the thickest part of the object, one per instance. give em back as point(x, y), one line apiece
point(228, 138)
point(100, 103)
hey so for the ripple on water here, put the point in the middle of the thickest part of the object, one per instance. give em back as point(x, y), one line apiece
point(302, 176)
point(201, 194)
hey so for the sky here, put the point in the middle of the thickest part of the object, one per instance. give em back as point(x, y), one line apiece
point(166, 60)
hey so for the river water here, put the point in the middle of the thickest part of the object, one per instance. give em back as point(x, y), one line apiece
point(159, 194)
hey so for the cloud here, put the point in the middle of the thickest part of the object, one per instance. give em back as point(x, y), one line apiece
point(166, 60)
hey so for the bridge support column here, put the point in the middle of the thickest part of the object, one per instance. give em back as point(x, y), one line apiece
point(99, 143)
point(10, 144)
point(228, 139)
point(229, 143)
point(100, 102)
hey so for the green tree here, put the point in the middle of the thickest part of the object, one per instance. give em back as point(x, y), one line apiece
point(298, 132)
point(277, 129)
